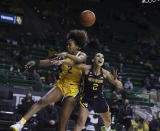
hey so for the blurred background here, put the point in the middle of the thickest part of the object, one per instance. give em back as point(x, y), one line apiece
point(127, 32)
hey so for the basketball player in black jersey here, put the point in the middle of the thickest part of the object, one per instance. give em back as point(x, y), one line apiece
point(92, 95)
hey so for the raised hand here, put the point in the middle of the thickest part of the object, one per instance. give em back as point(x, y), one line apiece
point(115, 76)
point(30, 64)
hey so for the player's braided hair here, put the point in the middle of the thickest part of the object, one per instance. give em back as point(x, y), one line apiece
point(79, 36)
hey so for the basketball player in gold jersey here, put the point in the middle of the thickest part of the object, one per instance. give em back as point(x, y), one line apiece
point(67, 85)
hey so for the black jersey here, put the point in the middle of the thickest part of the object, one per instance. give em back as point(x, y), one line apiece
point(92, 95)
point(93, 84)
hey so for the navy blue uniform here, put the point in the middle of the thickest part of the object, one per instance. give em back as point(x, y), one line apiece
point(92, 95)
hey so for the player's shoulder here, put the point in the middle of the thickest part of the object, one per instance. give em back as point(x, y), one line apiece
point(105, 72)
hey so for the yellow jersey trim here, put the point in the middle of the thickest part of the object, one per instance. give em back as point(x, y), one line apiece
point(23, 121)
point(79, 52)
point(82, 105)
point(108, 109)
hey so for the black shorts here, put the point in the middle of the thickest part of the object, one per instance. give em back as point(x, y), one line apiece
point(99, 105)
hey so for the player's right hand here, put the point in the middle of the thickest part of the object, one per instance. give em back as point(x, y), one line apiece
point(30, 64)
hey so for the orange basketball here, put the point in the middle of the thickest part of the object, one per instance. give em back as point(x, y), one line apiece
point(87, 18)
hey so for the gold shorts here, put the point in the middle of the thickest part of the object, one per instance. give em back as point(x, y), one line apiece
point(67, 88)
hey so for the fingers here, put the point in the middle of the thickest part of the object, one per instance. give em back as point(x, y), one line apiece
point(26, 68)
point(53, 61)
point(59, 58)
point(115, 74)
point(29, 65)
point(115, 71)
point(56, 62)
point(56, 58)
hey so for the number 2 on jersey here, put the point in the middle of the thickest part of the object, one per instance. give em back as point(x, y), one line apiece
point(69, 69)
point(95, 86)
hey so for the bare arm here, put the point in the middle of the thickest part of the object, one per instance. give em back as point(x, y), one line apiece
point(45, 62)
point(82, 67)
point(77, 59)
point(112, 78)
point(40, 62)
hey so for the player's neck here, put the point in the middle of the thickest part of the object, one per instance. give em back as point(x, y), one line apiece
point(75, 52)
point(97, 70)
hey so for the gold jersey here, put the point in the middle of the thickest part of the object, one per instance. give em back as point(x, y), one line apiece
point(69, 80)
point(70, 74)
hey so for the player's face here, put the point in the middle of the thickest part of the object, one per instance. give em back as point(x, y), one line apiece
point(99, 59)
point(71, 46)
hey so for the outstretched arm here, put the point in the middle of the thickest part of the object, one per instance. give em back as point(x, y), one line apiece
point(45, 62)
point(83, 67)
point(38, 62)
point(77, 59)
point(113, 78)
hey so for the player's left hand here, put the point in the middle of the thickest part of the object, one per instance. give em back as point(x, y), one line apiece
point(62, 55)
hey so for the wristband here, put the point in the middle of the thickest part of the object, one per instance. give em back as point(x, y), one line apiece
point(37, 62)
